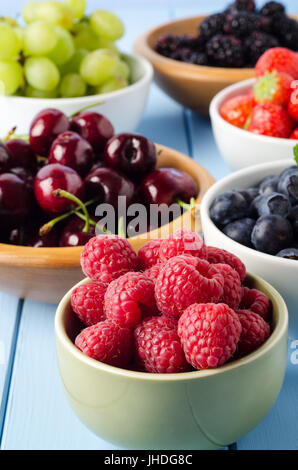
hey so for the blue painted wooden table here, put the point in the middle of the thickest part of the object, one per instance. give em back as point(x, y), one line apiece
point(34, 413)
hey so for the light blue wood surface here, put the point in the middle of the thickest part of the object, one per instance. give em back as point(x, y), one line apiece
point(34, 413)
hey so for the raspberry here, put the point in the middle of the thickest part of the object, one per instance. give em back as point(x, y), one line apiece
point(232, 291)
point(256, 301)
point(107, 257)
point(183, 242)
point(130, 298)
point(185, 280)
point(254, 333)
point(87, 302)
point(209, 334)
point(149, 254)
point(218, 255)
point(107, 342)
point(158, 346)
point(154, 271)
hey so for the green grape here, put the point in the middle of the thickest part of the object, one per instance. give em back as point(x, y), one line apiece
point(41, 73)
point(20, 33)
point(31, 92)
point(72, 85)
point(115, 83)
point(10, 43)
point(11, 76)
point(98, 66)
point(29, 12)
point(106, 25)
point(73, 64)
point(64, 49)
point(105, 44)
point(54, 12)
point(39, 38)
point(78, 7)
point(123, 69)
point(84, 37)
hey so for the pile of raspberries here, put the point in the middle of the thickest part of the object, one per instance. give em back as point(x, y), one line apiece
point(236, 37)
point(178, 305)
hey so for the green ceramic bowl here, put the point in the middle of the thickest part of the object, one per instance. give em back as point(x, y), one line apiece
point(193, 410)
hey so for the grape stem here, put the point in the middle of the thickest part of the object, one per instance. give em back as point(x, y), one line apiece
point(85, 108)
point(46, 228)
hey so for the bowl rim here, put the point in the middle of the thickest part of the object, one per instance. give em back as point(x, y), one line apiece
point(147, 75)
point(223, 96)
point(279, 330)
point(68, 257)
point(215, 189)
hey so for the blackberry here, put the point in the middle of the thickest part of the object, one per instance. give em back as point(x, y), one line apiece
point(287, 32)
point(242, 23)
point(198, 58)
point(272, 9)
point(256, 44)
point(211, 25)
point(239, 5)
point(167, 44)
point(225, 51)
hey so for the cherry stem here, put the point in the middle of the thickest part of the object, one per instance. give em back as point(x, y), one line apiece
point(85, 108)
point(189, 207)
point(121, 231)
point(76, 200)
point(46, 228)
point(94, 224)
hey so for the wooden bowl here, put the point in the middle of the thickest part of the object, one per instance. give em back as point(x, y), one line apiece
point(193, 86)
point(46, 274)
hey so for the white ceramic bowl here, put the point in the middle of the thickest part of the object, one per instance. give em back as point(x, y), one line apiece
point(240, 148)
point(124, 108)
point(281, 273)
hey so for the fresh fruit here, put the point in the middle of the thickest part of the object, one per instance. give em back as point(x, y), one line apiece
point(52, 177)
point(129, 299)
point(73, 233)
point(240, 230)
point(293, 105)
point(294, 134)
point(232, 291)
point(107, 257)
point(98, 66)
point(288, 253)
point(225, 51)
point(45, 127)
point(41, 73)
point(182, 242)
point(71, 150)
point(5, 158)
point(254, 332)
point(279, 59)
point(238, 110)
point(106, 25)
point(131, 154)
point(11, 77)
point(87, 301)
point(20, 155)
point(94, 127)
point(219, 255)
point(270, 119)
point(209, 334)
point(271, 234)
point(227, 207)
point(149, 254)
point(256, 301)
point(274, 87)
point(16, 201)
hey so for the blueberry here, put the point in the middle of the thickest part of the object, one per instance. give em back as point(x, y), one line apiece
point(227, 207)
point(250, 194)
point(269, 184)
point(293, 217)
point(288, 184)
point(254, 206)
point(288, 253)
point(287, 170)
point(275, 203)
point(240, 230)
point(271, 234)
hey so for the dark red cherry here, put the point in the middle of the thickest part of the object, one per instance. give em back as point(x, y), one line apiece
point(45, 127)
point(25, 175)
point(70, 149)
point(72, 235)
point(94, 127)
point(21, 155)
point(4, 159)
point(131, 154)
point(107, 184)
point(166, 185)
point(49, 240)
point(16, 201)
point(56, 176)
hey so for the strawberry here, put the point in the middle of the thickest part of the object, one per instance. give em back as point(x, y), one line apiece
point(237, 110)
point(275, 87)
point(280, 59)
point(270, 119)
point(294, 134)
point(293, 104)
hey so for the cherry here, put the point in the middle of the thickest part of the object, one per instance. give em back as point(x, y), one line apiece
point(131, 154)
point(70, 149)
point(51, 239)
point(4, 158)
point(45, 127)
point(108, 185)
point(94, 127)
point(52, 177)
point(21, 155)
point(166, 185)
point(73, 234)
point(24, 174)
point(16, 201)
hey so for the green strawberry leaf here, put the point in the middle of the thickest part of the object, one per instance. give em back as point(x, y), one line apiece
point(295, 150)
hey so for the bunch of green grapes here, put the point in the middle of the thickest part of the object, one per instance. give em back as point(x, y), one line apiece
point(61, 52)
